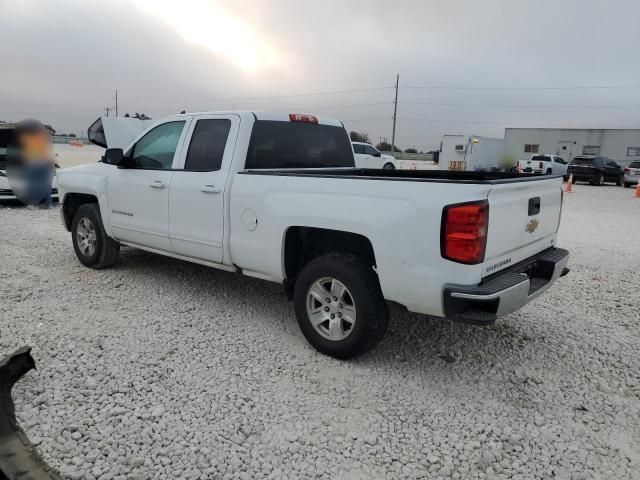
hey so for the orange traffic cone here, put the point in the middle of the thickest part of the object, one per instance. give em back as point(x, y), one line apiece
point(637, 194)
point(569, 187)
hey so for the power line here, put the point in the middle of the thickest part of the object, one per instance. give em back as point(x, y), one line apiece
point(440, 120)
point(584, 87)
point(500, 105)
point(268, 97)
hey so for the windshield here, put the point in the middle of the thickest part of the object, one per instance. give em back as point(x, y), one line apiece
point(276, 144)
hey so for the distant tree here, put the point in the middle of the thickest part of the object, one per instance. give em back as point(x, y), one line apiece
point(51, 130)
point(72, 135)
point(411, 150)
point(140, 116)
point(386, 147)
point(127, 115)
point(359, 137)
point(183, 112)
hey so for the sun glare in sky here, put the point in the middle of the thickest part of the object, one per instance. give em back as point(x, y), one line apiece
point(204, 23)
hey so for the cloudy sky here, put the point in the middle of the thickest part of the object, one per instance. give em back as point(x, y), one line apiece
point(465, 66)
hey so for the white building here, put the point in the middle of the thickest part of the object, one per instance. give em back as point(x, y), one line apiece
point(621, 145)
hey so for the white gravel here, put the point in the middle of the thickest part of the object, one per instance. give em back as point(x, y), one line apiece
point(162, 369)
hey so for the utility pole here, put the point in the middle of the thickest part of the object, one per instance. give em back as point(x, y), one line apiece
point(107, 109)
point(116, 102)
point(395, 111)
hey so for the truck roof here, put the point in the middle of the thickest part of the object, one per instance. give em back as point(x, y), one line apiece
point(264, 115)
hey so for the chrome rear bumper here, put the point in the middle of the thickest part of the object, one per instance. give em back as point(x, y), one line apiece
point(506, 291)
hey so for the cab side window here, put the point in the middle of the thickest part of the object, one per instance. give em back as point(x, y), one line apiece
point(369, 150)
point(358, 149)
point(207, 145)
point(157, 148)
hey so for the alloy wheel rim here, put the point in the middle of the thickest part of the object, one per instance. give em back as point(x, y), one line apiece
point(86, 237)
point(331, 309)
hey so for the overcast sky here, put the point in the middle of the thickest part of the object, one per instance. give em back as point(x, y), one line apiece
point(63, 59)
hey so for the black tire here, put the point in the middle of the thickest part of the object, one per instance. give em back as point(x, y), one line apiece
point(549, 171)
point(106, 249)
point(598, 180)
point(627, 185)
point(619, 181)
point(372, 314)
point(389, 166)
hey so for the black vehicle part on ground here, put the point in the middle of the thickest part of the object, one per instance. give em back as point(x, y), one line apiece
point(19, 458)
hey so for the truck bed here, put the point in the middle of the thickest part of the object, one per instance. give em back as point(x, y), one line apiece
point(439, 176)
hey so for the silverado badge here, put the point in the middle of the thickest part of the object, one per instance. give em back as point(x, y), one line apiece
point(532, 225)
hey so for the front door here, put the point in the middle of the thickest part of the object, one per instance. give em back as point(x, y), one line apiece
point(138, 194)
point(197, 192)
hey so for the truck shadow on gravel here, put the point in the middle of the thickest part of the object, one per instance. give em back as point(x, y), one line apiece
point(411, 338)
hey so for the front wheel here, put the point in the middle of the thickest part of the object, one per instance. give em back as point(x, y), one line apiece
point(389, 166)
point(339, 305)
point(93, 247)
point(619, 181)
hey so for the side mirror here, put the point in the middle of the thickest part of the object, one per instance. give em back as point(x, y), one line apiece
point(377, 154)
point(113, 156)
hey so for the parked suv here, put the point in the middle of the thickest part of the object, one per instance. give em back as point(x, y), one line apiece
point(595, 170)
point(632, 174)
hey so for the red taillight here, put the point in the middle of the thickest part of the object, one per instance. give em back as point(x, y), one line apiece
point(299, 117)
point(463, 234)
point(626, 170)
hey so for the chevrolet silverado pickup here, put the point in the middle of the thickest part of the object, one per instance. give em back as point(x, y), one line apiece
point(278, 197)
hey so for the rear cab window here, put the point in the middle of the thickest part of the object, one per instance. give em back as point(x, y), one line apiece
point(280, 144)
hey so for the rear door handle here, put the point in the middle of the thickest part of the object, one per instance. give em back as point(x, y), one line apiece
point(210, 189)
point(158, 184)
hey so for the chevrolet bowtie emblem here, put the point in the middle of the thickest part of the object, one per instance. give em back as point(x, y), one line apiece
point(532, 225)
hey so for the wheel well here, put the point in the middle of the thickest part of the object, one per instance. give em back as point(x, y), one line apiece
point(303, 244)
point(72, 202)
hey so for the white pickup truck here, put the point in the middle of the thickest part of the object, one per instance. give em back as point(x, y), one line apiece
point(368, 156)
point(277, 197)
point(545, 164)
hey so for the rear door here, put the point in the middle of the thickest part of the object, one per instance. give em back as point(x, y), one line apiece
point(523, 220)
point(196, 195)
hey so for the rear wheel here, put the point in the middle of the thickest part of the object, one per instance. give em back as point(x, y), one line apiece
point(93, 247)
point(598, 180)
point(627, 185)
point(339, 305)
point(619, 180)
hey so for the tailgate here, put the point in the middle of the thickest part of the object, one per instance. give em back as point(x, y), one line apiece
point(523, 220)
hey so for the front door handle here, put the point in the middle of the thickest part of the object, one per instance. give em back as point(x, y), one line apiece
point(210, 189)
point(158, 184)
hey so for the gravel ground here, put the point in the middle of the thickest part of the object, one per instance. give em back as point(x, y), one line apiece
point(163, 369)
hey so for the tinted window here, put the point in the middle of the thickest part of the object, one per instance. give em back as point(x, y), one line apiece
point(582, 161)
point(369, 150)
point(207, 145)
point(358, 148)
point(634, 164)
point(541, 158)
point(156, 149)
point(277, 144)
point(561, 160)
